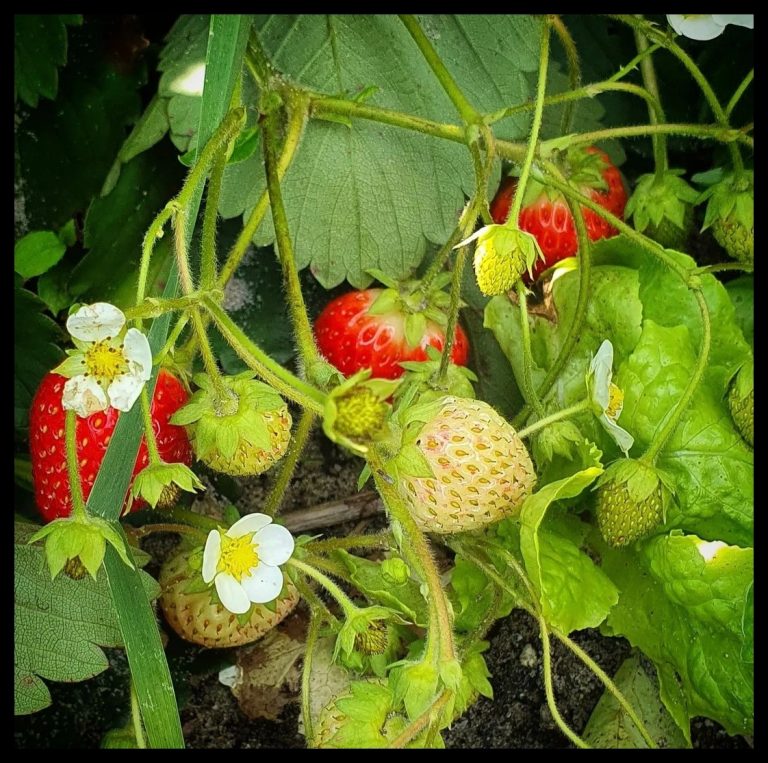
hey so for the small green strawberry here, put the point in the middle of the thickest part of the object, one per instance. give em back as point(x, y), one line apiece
point(631, 501)
point(243, 431)
point(189, 609)
point(741, 401)
point(731, 214)
point(662, 208)
point(462, 466)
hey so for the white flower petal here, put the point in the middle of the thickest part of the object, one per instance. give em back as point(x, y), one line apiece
point(84, 396)
point(601, 371)
point(696, 27)
point(138, 353)
point(620, 436)
point(746, 20)
point(231, 676)
point(124, 391)
point(232, 594)
point(95, 322)
point(264, 584)
point(250, 523)
point(211, 555)
point(274, 544)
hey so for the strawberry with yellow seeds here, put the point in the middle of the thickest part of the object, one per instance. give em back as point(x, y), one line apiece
point(241, 430)
point(631, 501)
point(190, 610)
point(731, 214)
point(462, 466)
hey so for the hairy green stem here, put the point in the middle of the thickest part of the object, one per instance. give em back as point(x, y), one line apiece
point(661, 437)
point(417, 552)
point(313, 630)
point(551, 703)
point(297, 118)
point(747, 267)
point(73, 468)
point(381, 540)
point(288, 463)
point(267, 368)
point(206, 524)
point(656, 115)
point(154, 307)
point(305, 337)
point(416, 726)
point(609, 685)
point(154, 232)
point(313, 600)
point(169, 527)
point(181, 250)
point(347, 606)
point(173, 337)
point(210, 217)
point(565, 413)
point(632, 64)
point(149, 430)
point(574, 69)
point(467, 112)
point(653, 33)
point(453, 314)
point(727, 135)
point(582, 303)
point(528, 390)
point(736, 97)
point(138, 728)
point(533, 139)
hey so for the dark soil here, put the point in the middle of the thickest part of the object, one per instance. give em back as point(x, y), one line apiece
point(517, 717)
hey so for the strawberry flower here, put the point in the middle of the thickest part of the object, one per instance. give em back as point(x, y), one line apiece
point(607, 399)
point(243, 562)
point(109, 366)
point(707, 27)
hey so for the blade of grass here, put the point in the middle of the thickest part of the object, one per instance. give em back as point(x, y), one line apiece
point(149, 668)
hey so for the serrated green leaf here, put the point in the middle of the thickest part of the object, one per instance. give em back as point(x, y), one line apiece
point(711, 465)
point(40, 47)
point(36, 352)
point(558, 569)
point(415, 327)
point(37, 253)
point(683, 602)
point(59, 624)
point(609, 726)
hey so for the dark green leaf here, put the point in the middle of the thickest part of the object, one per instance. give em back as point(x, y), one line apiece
point(36, 351)
point(40, 47)
point(37, 253)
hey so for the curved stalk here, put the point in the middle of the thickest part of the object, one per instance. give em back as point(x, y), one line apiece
point(574, 69)
point(313, 630)
point(736, 97)
point(528, 390)
point(73, 470)
point(566, 413)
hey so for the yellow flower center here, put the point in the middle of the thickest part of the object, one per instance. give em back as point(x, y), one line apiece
point(615, 402)
point(238, 556)
point(104, 361)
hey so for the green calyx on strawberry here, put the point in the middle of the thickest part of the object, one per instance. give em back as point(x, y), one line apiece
point(731, 214)
point(741, 401)
point(364, 716)
point(545, 214)
point(192, 608)
point(662, 208)
point(559, 438)
point(48, 455)
point(368, 639)
point(420, 385)
point(632, 500)
point(79, 541)
point(502, 254)
point(356, 412)
point(380, 328)
point(160, 484)
point(243, 431)
point(460, 464)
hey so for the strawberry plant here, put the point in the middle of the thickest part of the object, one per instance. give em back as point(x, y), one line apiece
point(506, 281)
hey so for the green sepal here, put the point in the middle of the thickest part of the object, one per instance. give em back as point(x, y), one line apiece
point(639, 478)
point(86, 538)
point(244, 617)
point(415, 328)
point(383, 277)
point(732, 196)
point(387, 302)
point(411, 462)
point(743, 378)
point(415, 685)
point(153, 479)
point(73, 365)
point(560, 437)
point(365, 475)
point(656, 200)
point(196, 584)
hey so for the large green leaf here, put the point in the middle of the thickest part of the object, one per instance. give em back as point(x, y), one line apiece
point(712, 466)
point(742, 293)
point(574, 592)
point(610, 726)
point(40, 47)
point(35, 350)
point(59, 624)
point(684, 603)
point(367, 195)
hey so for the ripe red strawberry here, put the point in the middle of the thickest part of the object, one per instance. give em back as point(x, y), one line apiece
point(546, 216)
point(352, 336)
point(47, 445)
